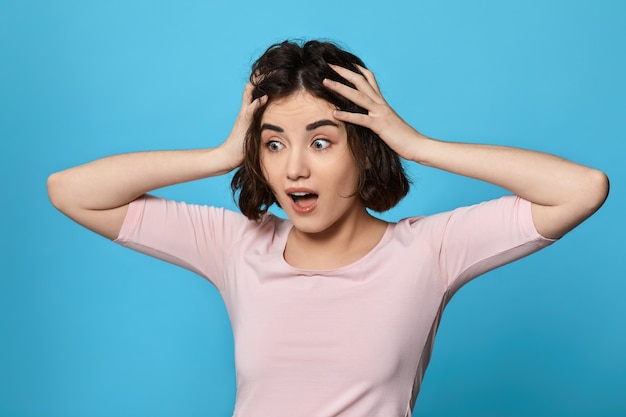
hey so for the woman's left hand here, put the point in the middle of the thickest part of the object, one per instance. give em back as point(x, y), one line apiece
point(562, 193)
point(380, 117)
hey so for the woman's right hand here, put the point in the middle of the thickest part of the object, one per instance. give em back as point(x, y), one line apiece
point(233, 146)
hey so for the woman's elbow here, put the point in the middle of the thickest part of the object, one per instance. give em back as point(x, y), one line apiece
point(597, 190)
point(590, 192)
point(57, 187)
point(53, 186)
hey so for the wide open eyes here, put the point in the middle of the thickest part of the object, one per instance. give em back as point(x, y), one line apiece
point(317, 144)
point(320, 144)
point(274, 145)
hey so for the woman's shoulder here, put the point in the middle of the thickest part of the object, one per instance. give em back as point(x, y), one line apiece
point(485, 212)
point(500, 217)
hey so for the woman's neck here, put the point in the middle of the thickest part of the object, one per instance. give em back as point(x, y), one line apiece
point(342, 244)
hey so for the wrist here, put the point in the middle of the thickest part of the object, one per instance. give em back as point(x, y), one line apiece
point(226, 157)
point(419, 147)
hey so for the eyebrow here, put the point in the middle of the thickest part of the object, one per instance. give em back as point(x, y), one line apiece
point(320, 123)
point(271, 127)
point(309, 127)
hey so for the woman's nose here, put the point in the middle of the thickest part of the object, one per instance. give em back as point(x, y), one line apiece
point(297, 165)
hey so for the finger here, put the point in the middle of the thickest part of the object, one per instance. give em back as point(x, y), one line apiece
point(256, 103)
point(356, 96)
point(358, 80)
point(354, 118)
point(369, 76)
point(247, 93)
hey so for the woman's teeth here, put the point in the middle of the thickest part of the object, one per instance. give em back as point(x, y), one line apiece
point(296, 196)
point(303, 199)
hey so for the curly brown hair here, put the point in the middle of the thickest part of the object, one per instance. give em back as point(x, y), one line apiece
point(286, 68)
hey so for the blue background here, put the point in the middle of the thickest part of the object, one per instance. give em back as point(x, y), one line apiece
point(88, 328)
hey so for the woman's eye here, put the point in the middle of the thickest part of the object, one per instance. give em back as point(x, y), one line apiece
point(274, 145)
point(319, 144)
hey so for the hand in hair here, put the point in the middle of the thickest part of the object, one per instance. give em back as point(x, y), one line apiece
point(233, 145)
point(380, 117)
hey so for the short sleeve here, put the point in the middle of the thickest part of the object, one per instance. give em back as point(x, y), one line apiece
point(198, 238)
point(470, 241)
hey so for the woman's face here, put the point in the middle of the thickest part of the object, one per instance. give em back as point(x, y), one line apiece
point(307, 161)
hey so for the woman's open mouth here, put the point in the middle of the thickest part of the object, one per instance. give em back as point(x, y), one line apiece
point(303, 202)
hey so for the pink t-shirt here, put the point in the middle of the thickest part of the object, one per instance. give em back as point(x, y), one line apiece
point(353, 341)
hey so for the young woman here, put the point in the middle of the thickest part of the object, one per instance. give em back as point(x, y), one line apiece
point(333, 310)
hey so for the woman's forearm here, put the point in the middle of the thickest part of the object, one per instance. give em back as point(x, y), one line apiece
point(564, 193)
point(541, 178)
point(117, 180)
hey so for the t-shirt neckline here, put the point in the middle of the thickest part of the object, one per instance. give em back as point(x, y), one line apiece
point(333, 271)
